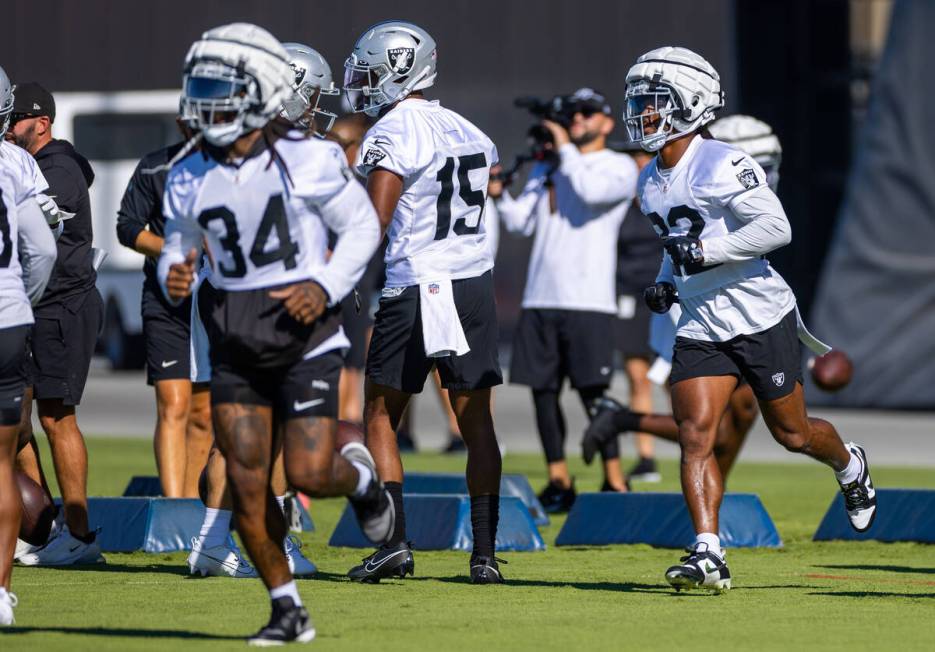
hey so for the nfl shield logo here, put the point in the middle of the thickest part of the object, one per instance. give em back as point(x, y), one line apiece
point(401, 59)
point(779, 379)
point(433, 288)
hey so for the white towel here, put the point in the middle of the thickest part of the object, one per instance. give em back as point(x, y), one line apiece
point(816, 345)
point(441, 325)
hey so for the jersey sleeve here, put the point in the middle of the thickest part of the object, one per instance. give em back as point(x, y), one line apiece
point(733, 176)
point(387, 148)
point(319, 171)
point(182, 230)
point(137, 204)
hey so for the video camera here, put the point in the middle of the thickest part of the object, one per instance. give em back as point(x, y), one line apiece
point(558, 109)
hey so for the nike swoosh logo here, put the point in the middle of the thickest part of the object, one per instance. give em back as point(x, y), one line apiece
point(737, 162)
point(168, 363)
point(299, 407)
point(223, 562)
point(73, 549)
point(371, 567)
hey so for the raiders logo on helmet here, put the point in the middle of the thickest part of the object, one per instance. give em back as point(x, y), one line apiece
point(401, 59)
point(748, 179)
point(373, 156)
point(299, 73)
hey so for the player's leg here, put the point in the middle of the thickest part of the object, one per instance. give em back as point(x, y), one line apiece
point(641, 400)
point(299, 564)
point(614, 479)
point(559, 495)
point(198, 437)
point(772, 364)
point(732, 430)
point(173, 402)
point(455, 440)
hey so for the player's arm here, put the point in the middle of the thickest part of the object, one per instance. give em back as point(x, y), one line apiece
point(37, 249)
point(137, 203)
point(611, 185)
point(384, 188)
point(176, 267)
point(518, 215)
point(765, 229)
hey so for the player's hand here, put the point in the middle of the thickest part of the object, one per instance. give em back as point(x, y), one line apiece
point(495, 185)
point(660, 297)
point(303, 301)
point(684, 250)
point(181, 277)
point(559, 133)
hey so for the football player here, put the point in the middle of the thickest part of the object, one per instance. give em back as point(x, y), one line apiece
point(312, 80)
point(757, 139)
point(712, 207)
point(262, 196)
point(427, 170)
point(24, 234)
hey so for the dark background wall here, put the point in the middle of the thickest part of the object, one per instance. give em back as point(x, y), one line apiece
point(785, 62)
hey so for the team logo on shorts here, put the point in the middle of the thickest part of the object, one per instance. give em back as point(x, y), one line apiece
point(779, 379)
point(401, 59)
point(748, 178)
point(373, 156)
point(433, 288)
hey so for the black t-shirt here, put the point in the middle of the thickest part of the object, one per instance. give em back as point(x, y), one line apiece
point(141, 206)
point(69, 175)
point(639, 253)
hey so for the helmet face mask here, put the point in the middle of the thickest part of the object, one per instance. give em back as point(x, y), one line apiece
point(649, 112)
point(216, 99)
point(363, 86)
point(312, 81)
point(6, 102)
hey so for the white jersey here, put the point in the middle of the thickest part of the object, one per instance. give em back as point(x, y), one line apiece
point(438, 230)
point(574, 252)
point(27, 177)
point(14, 305)
point(267, 225)
point(698, 197)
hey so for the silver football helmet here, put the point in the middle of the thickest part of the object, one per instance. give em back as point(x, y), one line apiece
point(312, 80)
point(236, 78)
point(753, 137)
point(670, 92)
point(6, 102)
point(391, 60)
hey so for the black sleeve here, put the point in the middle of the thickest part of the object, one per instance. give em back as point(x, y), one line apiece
point(63, 187)
point(137, 205)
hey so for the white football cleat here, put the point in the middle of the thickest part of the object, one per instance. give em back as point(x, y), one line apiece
point(700, 569)
point(299, 564)
point(23, 548)
point(7, 602)
point(860, 498)
point(64, 550)
point(224, 560)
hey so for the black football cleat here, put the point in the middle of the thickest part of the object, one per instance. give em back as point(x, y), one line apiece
point(485, 570)
point(700, 569)
point(287, 624)
point(387, 561)
point(860, 498)
point(375, 510)
point(601, 429)
point(556, 499)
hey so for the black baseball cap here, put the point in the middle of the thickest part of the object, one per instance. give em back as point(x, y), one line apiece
point(31, 99)
point(590, 98)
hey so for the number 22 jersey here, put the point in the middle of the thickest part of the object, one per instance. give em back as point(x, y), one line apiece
point(698, 197)
point(438, 230)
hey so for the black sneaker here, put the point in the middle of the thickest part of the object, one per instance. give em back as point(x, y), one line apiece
point(700, 569)
point(387, 561)
point(287, 624)
point(455, 445)
point(601, 429)
point(645, 470)
point(609, 488)
point(860, 498)
point(556, 499)
point(375, 510)
point(485, 570)
point(405, 442)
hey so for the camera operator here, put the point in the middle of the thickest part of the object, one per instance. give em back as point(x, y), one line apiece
point(574, 203)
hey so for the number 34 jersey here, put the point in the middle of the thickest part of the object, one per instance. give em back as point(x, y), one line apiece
point(438, 230)
point(697, 197)
point(264, 224)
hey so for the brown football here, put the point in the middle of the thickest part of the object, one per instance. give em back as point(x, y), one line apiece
point(348, 431)
point(832, 371)
point(38, 511)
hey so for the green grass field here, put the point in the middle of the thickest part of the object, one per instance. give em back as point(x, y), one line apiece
point(828, 596)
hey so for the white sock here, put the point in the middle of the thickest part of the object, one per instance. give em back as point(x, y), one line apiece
point(215, 527)
point(851, 472)
point(282, 503)
point(290, 590)
point(712, 541)
point(364, 476)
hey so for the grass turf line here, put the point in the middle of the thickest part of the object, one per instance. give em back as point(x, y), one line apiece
point(808, 595)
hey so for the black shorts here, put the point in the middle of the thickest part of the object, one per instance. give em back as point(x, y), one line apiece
point(771, 361)
point(63, 341)
point(12, 373)
point(167, 330)
point(632, 327)
point(550, 345)
point(397, 359)
point(356, 324)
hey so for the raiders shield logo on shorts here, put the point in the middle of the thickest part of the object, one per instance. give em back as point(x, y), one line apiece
point(401, 59)
point(779, 379)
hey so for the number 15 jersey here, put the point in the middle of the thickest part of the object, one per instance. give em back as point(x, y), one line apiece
point(438, 230)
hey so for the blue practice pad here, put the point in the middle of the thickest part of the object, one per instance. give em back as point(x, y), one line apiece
point(147, 524)
point(455, 483)
point(661, 519)
point(902, 515)
point(141, 486)
point(443, 522)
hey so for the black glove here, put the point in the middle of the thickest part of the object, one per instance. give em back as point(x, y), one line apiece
point(660, 297)
point(684, 250)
